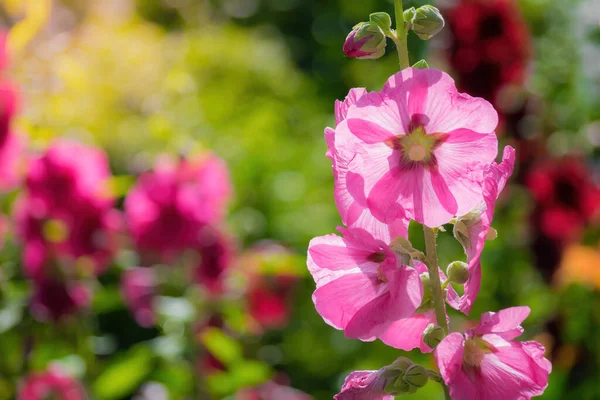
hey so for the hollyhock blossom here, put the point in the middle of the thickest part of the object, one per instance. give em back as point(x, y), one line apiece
point(486, 364)
point(216, 253)
point(54, 299)
point(423, 147)
point(65, 215)
point(350, 196)
point(138, 289)
point(489, 47)
point(407, 333)
point(364, 385)
point(169, 205)
point(49, 384)
point(472, 229)
point(362, 286)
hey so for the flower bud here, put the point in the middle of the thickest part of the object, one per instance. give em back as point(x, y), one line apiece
point(427, 301)
point(458, 272)
point(433, 335)
point(366, 41)
point(416, 376)
point(427, 22)
point(409, 14)
point(383, 20)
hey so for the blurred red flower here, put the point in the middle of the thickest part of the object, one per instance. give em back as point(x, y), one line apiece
point(53, 383)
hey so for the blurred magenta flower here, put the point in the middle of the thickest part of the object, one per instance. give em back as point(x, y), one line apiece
point(422, 148)
point(138, 289)
point(566, 198)
point(489, 47)
point(472, 229)
point(362, 286)
point(50, 384)
point(53, 299)
point(486, 364)
point(12, 147)
point(272, 391)
point(65, 216)
point(168, 207)
point(216, 252)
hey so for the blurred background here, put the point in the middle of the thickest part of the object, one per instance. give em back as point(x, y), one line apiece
point(253, 82)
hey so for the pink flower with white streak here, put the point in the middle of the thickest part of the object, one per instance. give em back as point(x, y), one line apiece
point(364, 385)
point(417, 149)
point(362, 286)
point(407, 333)
point(486, 364)
point(350, 196)
point(472, 229)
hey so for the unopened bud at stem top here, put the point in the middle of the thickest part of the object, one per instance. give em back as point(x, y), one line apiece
point(458, 272)
point(426, 21)
point(366, 41)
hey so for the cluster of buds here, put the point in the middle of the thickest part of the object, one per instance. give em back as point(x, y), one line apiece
point(367, 40)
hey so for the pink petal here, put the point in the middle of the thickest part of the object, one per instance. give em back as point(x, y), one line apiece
point(341, 107)
point(505, 323)
point(407, 333)
point(369, 132)
point(449, 356)
point(379, 109)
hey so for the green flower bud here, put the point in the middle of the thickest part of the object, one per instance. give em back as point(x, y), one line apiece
point(383, 20)
point(409, 14)
point(458, 272)
point(433, 335)
point(427, 22)
point(416, 376)
point(422, 64)
point(427, 302)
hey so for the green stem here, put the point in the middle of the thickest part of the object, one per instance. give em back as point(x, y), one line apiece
point(401, 38)
point(434, 277)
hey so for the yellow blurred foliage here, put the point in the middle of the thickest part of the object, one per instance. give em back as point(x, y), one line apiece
point(34, 15)
point(579, 264)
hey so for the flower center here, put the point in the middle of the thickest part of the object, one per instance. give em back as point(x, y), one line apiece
point(417, 146)
point(475, 349)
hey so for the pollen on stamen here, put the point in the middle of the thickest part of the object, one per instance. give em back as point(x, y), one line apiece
point(417, 153)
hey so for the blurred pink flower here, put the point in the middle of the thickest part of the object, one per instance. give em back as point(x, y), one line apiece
point(472, 229)
point(418, 148)
point(272, 391)
point(362, 287)
point(364, 385)
point(350, 196)
point(407, 333)
point(486, 364)
point(50, 384)
point(138, 289)
point(169, 206)
point(12, 147)
point(53, 299)
point(216, 252)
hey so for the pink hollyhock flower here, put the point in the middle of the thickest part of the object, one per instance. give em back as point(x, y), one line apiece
point(486, 364)
point(216, 254)
point(472, 229)
point(53, 300)
point(362, 287)
point(350, 196)
point(364, 385)
point(422, 148)
point(50, 384)
point(138, 289)
point(407, 333)
point(169, 206)
point(65, 215)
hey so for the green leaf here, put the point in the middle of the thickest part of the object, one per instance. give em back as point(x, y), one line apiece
point(222, 347)
point(421, 64)
point(124, 375)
